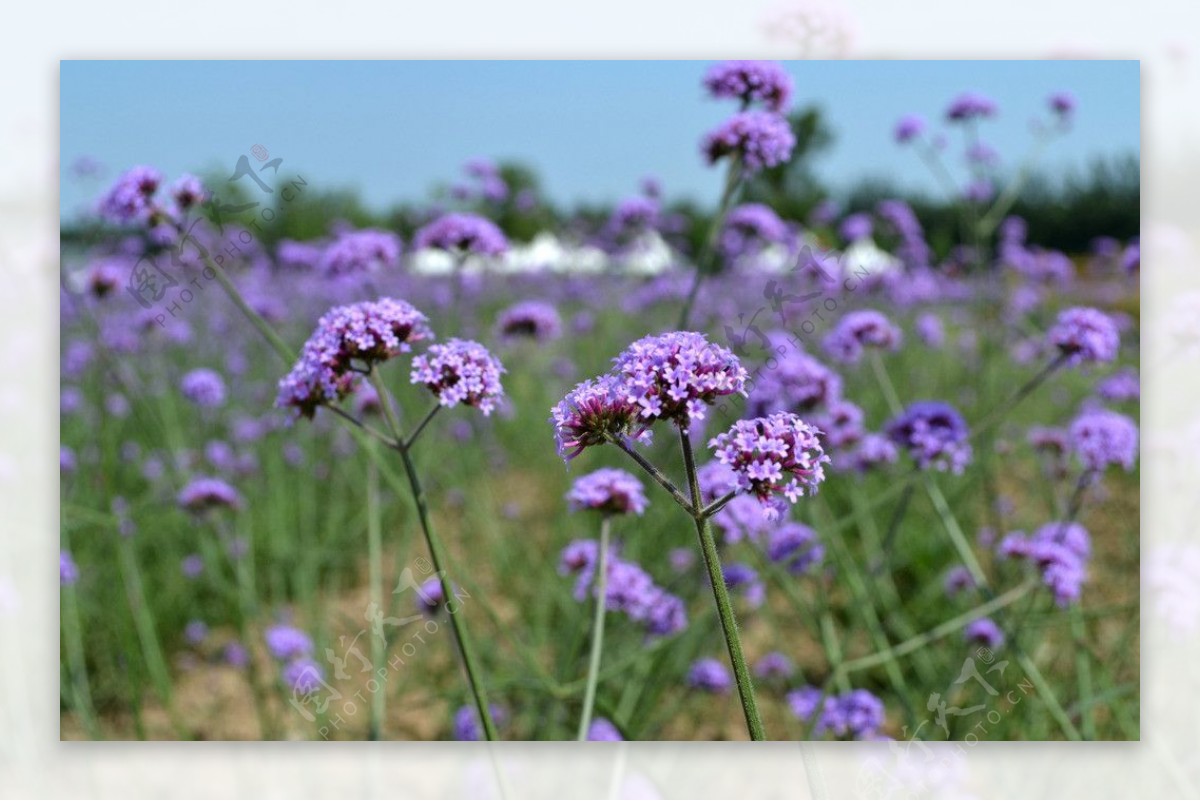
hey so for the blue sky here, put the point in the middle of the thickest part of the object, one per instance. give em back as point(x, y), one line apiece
point(393, 130)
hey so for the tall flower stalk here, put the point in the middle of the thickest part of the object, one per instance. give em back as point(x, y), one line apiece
point(314, 385)
point(673, 378)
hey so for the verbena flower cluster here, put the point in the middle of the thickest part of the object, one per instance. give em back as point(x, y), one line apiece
point(709, 675)
point(1061, 552)
point(608, 490)
point(203, 494)
point(529, 319)
point(795, 546)
point(460, 371)
point(364, 251)
point(1099, 438)
point(203, 387)
point(984, 631)
point(676, 376)
point(467, 726)
point(742, 518)
point(771, 456)
point(629, 589)
point(858, 330)
point(349, 337)
point(751, 226)
point(759, 139)
point(934, 434)
point(1085, 336)
point(856, 714)
point(970, 106)
point(131, 197)
point(462, 233)
point(764, 82)
point(593, 410)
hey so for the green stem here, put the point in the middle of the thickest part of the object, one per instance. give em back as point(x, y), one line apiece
point(712, 561)
point(264, 328)
point(656, 474)
point(375, 581)
point(950, 522)
point(437, 556)
point(1083, 670)
point(589, 696)
point(733, 178)
point(885, 382)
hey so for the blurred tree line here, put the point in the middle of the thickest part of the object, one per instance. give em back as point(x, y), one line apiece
point(1067, 214)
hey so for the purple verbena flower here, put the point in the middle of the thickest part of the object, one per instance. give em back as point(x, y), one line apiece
point(1124, 385)
point(775, 455)
point(287, 642)
point(462, 233)
point(909, 127)
point(1100, 438)
point(841, 425)
point(709, 675)
point(957, 580)
point(984, 631)
point(1084, 335)
point(934, 434)
point(1062, 103)
point(365, 333)
point(750, 226)
point(195, 632)
point(467, 726)
point(765, 82)
point(744, 580)
point(593, 411)
point(608, 490)
point(603, 730)
point(460, 371)
point(675, 376)
point(130, 199)
point(187, 191)
point(795, 546)
point(192, 566)
point(970, 106)
point(365, 251)
point(203, 387)
point(303, 675)
point(530, 319)
point(774, 666)
point(856, 227)
point(203, 494)
point(760, 139)
point(68, 571)
point(873, 450)
point(858, 330)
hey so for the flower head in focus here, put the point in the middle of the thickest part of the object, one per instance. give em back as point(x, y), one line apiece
point(460, 371)
point(777, 455)
point(676, 376)
point(592, 412)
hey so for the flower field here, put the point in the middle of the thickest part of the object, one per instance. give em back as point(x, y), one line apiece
point(480, 473)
